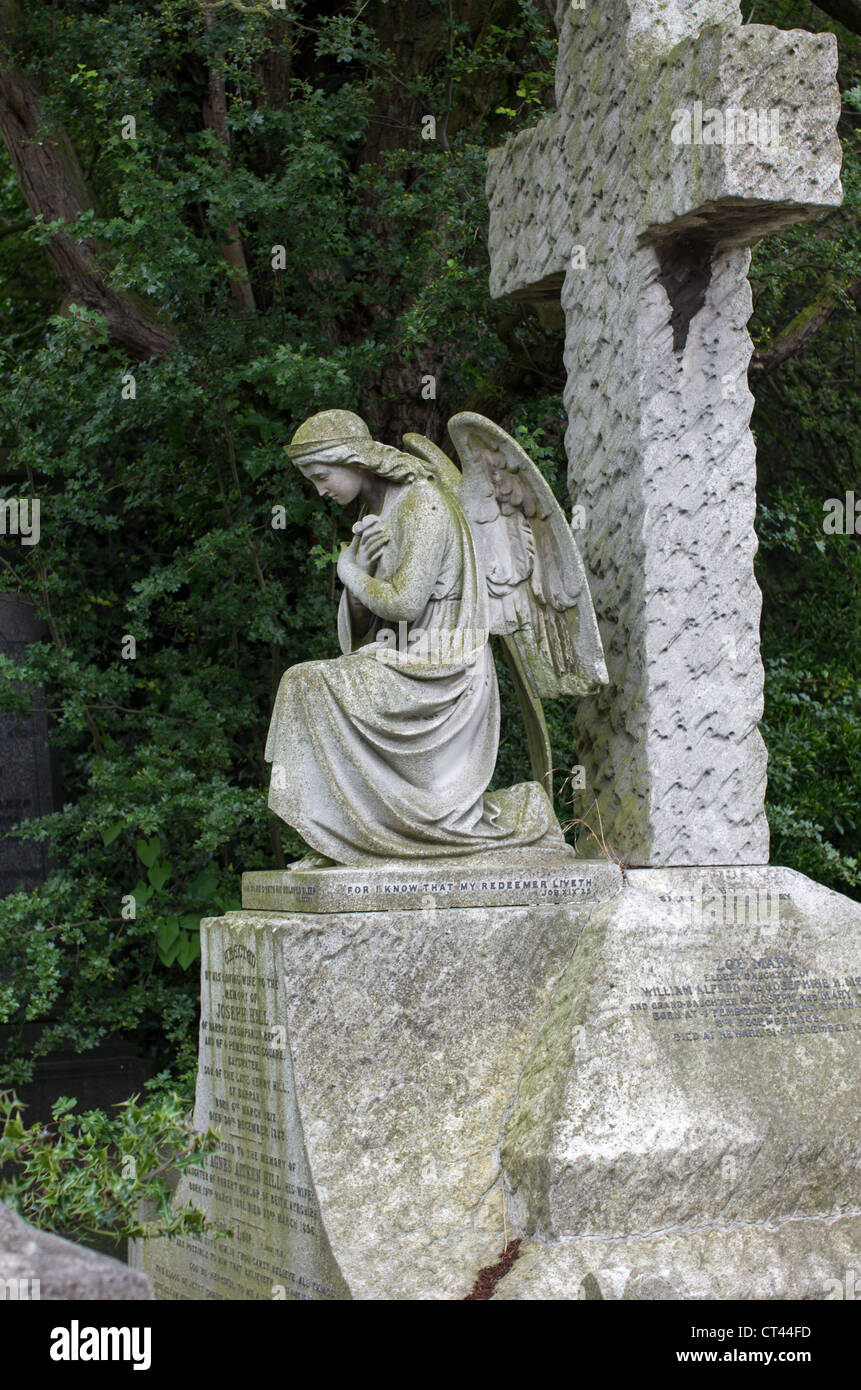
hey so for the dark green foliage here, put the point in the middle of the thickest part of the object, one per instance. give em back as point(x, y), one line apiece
point(173, 518)
point(158, 511)
point(807, 422)
point(812, 724)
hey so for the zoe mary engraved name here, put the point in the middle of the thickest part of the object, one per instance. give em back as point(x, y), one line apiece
point(755, 996)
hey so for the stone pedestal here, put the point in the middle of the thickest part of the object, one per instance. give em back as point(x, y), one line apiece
point(655, 1085)
point(687, 1123)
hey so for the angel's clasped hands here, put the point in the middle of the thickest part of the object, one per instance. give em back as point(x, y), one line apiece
point(373, 536)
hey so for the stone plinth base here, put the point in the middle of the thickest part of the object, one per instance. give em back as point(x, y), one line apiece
point(656, 1087)
point(687, 1116)
point(522, 880)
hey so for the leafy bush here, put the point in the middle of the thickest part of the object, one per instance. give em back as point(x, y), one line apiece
point(812, 724)
point(89, 1175)
point(172, 525)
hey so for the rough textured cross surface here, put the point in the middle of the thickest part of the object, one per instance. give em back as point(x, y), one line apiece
point(659, 447)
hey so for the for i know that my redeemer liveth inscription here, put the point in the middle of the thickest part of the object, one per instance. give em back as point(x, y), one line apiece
point(522, 879)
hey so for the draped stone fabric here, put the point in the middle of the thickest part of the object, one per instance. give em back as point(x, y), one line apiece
point(386, 752)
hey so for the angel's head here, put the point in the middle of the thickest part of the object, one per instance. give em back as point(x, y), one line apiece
point(335, 451)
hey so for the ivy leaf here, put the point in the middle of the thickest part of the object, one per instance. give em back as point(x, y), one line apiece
point(189, 950)
point(167, 939)
point(204, 885)
point(148, 850)
point(159, 875)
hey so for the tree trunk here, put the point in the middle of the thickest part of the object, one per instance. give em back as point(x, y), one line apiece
point(215, 115)
point(807, 322)
point(54, 187)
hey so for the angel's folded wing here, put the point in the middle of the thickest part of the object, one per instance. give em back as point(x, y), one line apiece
point(447, 474)
point(539, 595)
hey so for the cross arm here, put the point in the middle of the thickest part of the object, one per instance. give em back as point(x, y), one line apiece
point(740, 128)
point(530, 237)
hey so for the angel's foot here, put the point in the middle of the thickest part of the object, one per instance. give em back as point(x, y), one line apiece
point(311, 860)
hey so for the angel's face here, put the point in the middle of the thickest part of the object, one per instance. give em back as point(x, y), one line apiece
point(342, 482)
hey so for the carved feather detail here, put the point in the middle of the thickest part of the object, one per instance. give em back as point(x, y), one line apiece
point(539, 597)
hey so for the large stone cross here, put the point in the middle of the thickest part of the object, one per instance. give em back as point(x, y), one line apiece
point(681, 136)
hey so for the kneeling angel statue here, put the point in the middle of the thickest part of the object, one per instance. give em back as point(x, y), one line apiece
point(386, 752)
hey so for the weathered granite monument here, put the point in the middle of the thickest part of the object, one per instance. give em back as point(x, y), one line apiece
point(457, 1034)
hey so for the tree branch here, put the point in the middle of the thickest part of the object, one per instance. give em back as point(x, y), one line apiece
point(800, 329)
point(215, 115)
point(53, 184)
point(846, 12)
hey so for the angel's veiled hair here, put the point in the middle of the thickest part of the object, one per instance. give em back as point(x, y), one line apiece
point(382, 459)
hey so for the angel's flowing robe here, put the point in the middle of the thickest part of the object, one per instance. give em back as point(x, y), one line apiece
point(387, 751)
